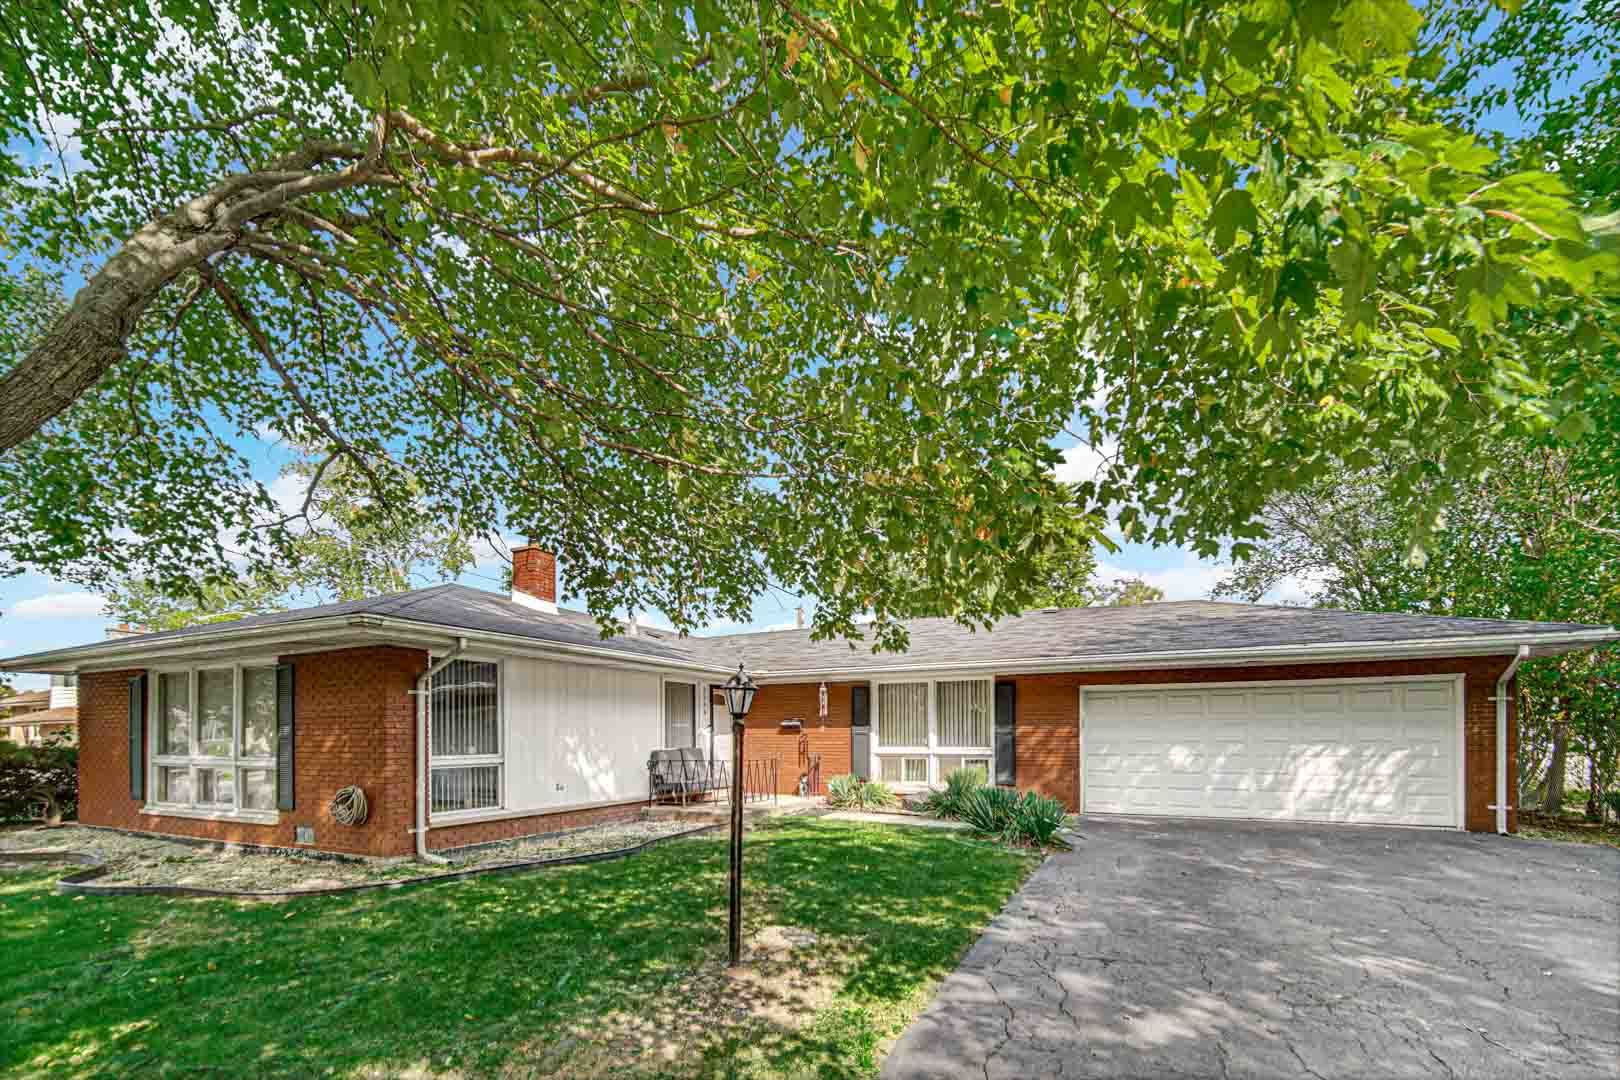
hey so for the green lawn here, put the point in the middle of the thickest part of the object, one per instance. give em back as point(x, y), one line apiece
point(606, 969)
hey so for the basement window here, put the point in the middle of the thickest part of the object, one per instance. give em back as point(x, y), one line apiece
point(466, 744)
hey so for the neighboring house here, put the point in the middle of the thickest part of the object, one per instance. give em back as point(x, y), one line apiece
point(244, 730)
point(34, 717)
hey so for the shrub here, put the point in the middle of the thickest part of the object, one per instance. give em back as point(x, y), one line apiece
point(989, 810)
point(850, 792)
point(1037, 819)
point(38, 782)
point(949, 802)
point(1014, 818)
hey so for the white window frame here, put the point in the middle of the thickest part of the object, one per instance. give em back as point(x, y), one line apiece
point(437, 761)
point(237, 762)
point(934, 750)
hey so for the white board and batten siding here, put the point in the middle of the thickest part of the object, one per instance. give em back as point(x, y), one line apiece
point(578, 734)
point(1385, 751)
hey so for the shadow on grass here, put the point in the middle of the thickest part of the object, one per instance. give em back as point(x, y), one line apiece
point(507, 974)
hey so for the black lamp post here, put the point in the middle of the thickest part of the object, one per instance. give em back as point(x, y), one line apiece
point(740, 690)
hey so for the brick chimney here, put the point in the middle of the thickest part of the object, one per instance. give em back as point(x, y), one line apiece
point(534, 578)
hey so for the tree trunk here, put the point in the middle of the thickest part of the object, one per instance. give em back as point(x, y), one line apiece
point(1553, 802)
point(1594, 808)
point(90, 338)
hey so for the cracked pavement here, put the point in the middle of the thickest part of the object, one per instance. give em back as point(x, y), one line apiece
point(1187, 948)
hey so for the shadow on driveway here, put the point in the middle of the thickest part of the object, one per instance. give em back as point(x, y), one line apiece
point(1235, 949)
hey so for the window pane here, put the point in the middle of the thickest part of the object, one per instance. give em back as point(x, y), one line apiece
point(258, 789)
point(466, 710)
point(174, 706)
point(467, 787)
point(890, 770)
point(903, 714)
point(258, 712)
point(215, 711)
point(916, 770)
point(964, 712)
point(174, 784)
point(216, 787)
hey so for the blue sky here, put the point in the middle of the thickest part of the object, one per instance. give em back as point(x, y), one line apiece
point(38, 612)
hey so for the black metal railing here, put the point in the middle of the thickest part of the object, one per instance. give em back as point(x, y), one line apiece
point(759, 778)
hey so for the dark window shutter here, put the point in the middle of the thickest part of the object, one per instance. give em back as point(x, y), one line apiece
point(860, 731)
point(137, 737)
point(1006, 750)
point(284, 736)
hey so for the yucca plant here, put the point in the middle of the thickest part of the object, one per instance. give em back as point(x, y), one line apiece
point(876, 795)
point(844, 792)
point(949, 801)
point(989, 810)
point(850, 792)
point(1036, 820)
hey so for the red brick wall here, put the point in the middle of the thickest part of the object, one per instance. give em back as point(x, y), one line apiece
point(1048, 718)
point(766, 737)
point(355, 725)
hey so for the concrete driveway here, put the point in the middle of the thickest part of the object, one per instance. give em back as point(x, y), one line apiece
point(1198, 949)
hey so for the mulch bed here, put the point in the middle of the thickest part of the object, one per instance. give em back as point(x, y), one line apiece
point(129, 864)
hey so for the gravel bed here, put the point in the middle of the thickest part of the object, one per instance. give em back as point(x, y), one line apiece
point(147, 860)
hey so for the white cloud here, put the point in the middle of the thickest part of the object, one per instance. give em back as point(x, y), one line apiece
point(1193, 580)
point(1296, 589)
point(1085, 462)
point(64, 605)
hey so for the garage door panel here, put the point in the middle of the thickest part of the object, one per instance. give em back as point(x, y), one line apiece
point(1345, 752)
point(1229, 703)
point(1274, 703)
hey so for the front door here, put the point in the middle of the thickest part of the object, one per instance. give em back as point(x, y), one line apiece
point(680, 714)
point(719, 726)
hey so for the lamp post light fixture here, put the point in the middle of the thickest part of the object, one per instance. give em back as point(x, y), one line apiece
point(740, 690)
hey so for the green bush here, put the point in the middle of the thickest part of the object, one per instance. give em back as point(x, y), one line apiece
point(37, 780)
point(949, 802)
point(1037, 819)
point(1025, 818)
point(850, 792)
point(1613, 801)
point(989, 810)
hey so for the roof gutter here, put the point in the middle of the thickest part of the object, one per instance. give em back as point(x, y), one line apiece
point(1269, 654)
point(1502, 802)
point(424, 683)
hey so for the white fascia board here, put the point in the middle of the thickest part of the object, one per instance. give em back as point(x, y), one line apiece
point(1325, 652)
point(334, 632)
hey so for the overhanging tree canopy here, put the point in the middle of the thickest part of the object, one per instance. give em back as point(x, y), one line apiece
point(710, 295)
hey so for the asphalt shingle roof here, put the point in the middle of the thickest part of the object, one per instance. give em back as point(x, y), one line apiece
point(1056, 633)
point(448, 605)
point(1104, 633)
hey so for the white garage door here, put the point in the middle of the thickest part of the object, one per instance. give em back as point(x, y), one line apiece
point(1373, 752)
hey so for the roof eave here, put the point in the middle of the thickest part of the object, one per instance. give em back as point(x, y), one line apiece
point(1327, 652)
point(338, 631)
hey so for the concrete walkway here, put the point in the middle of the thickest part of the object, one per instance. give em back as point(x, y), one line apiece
point(1169, 949)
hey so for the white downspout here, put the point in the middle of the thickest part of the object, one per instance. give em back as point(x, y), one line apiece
point(423, 683)
point(1502, 801)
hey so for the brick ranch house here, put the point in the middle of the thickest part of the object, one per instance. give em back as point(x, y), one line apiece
point(533, 723)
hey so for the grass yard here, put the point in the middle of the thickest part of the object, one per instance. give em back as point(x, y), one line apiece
point(608, 969)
